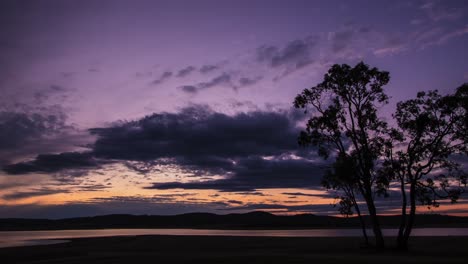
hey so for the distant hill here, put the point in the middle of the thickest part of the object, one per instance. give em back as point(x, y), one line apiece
point(253, 220)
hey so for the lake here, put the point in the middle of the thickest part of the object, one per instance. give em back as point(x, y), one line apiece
point(28, 238)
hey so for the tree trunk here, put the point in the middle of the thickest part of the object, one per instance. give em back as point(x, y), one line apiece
point(412, 214)
point(401, 229)
point(379, 240)
point(363, 224)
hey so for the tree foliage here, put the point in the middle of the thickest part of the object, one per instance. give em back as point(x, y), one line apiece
point(342, 178)
point(431, 135)
point(345, 124)
point(418, 155)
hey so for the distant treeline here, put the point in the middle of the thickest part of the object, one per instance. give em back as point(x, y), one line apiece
point(253, 220)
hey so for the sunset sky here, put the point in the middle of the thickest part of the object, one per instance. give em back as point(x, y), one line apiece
point(167, 107)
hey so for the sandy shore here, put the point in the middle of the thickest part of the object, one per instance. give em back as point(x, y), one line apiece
point(196, 249)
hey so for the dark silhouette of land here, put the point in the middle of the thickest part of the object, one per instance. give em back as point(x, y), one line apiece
point(217, 249)
point(253, 220)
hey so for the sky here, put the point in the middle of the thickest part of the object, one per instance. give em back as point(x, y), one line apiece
point(169, 107)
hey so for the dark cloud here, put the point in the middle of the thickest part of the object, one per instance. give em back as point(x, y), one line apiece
point(223, 79)
point(314, 208)
point(189, 89)
point(250, 150)
point(185, 71)
point(245, 81)
point(142, 199)
point(197, 133)
point(17, 128)
point(266, 53)
point(50, 163)
point(41, 96)
point(296, 54)
point(251, 193)
point(12, 184)
point(91, 188)
point(247, 105)
point(208, 68)
point(257, 173)
point(141, 167)
point(33, 193)
point(234, 202)
point(164, 76)
point(302, 194)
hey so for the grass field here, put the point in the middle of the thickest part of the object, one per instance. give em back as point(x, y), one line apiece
point(196, 249)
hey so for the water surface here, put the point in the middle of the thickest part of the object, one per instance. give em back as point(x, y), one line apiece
point(27, 238)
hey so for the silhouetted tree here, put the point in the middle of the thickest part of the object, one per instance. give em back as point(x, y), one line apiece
point(345, 124)
point(342, 178)
point(432, 132)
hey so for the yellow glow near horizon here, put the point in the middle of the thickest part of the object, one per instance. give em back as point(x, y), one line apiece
point(118, 183)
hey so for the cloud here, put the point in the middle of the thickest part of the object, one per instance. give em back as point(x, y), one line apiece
point(223, 79)
point(251, 193)
point(208, 68)
point(250, 150)
point(164, 76)
point(436, 36)
point(91, 187)
point(144, 199)
point(28, 133)
point(296, 54)
point(314, 208)
point(389, 50)
point(265, 53)
point(10, 185)
point(50, 163)
point(451, 34)
point(234, 202)
point(438, 11)
point(33, 193)
point(197, 132)
point(189, 89)
point(18, 128)
point(245, 81)
point(56, 92)
point(141, 167)
point(302, 194)
point(341, 39)
point(185, 71)
point(254, 173)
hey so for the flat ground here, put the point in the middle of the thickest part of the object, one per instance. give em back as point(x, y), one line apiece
point(202, 249)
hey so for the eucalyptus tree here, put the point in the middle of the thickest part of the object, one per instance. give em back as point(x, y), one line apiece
point(345, 124)
point(431, 136)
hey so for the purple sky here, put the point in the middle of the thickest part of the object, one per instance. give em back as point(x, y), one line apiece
point(69, 66)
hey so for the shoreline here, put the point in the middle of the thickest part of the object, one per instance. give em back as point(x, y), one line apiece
point(256, 220)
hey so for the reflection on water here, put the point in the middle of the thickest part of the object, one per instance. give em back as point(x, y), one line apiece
point(19, 243)
point(26, 238)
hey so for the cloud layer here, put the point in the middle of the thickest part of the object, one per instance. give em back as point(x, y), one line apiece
point(250, 150)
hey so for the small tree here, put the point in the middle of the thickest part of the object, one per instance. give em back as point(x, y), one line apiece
point(342, 178)
point(344, 123)
point(432, 130)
